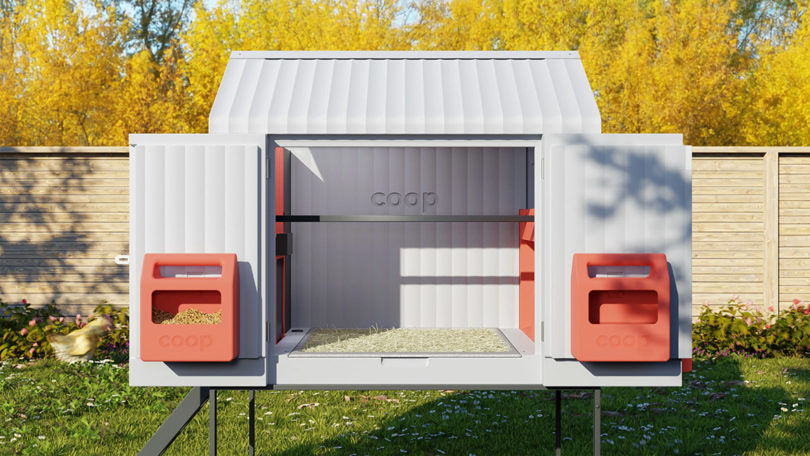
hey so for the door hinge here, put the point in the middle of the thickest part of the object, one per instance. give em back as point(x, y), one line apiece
point(284, 244)
point(269, 170)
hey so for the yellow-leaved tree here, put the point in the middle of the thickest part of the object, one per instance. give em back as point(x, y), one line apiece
point(9, 76)
point(721, 72)
point(70, 73)
point(776, 108)
point(155, 94)
point(667, 67)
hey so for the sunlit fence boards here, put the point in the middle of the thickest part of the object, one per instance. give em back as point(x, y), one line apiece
point(728, 227)
point(751, 236)
point(794, 228)
point(64, 216)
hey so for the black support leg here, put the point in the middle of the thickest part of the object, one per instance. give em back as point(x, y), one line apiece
point(251, 423)
point(176, 422)
point(558, 423)
point(597, 422)
point(212, 423)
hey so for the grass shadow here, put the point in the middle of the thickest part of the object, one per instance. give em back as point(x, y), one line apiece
point(716, 412)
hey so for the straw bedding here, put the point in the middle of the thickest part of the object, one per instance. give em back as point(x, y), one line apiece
point(405, 340)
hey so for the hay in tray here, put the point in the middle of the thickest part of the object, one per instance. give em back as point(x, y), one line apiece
point(405, 340)
point(186, 317)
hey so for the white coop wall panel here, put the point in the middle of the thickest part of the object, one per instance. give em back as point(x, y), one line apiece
point(404, 93)
point(197, 197)
point(413, 274)
point(614, 194)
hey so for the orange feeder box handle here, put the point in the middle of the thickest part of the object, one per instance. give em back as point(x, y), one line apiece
point(620, 318)
point(191, 342)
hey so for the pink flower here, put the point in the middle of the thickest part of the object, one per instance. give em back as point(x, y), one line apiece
point(748, 321)
point(78, 318)
point(24, 331)
point(33, 322)
point(51, 318)
point(36, 344)
point(31, 351)
point(767, 326)
point(796, 301)
point(61, 319)
point(24, 302)
point(735, 297)
point(770, 308)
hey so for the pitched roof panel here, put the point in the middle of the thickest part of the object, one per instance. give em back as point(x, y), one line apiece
point(403, 93)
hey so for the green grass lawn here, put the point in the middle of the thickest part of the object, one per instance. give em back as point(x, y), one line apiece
point(733, 406)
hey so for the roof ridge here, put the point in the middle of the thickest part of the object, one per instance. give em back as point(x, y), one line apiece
point(405, 55)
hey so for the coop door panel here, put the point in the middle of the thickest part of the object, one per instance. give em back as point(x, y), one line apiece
point(201, 194)
point(406, 274)
point(614, 194)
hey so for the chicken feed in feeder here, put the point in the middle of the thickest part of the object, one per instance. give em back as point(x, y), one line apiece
point(186, 317)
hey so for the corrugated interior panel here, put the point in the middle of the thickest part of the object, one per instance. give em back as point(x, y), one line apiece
point(203, 199)
point(406, 274)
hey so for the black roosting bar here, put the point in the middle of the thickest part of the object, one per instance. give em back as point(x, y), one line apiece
point(405, 218)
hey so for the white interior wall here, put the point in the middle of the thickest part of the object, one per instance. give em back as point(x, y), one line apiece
point(406, 274)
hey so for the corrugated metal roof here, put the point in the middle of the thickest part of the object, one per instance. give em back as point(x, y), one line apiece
point(404, 93)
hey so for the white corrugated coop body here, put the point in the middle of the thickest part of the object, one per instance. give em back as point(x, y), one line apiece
point(410, 220)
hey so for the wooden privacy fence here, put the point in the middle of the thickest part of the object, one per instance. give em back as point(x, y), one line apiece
point(64, 216)
point(750, 225)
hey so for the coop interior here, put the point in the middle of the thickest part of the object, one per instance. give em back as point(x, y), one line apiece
point(354, 281)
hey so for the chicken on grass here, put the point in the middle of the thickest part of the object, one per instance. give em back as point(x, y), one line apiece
point(81, 344)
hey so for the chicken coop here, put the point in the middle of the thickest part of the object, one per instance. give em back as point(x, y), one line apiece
point(409, 220)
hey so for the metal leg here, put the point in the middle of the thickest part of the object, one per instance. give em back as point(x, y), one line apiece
point(212, 423)
point(597, 422)
point(558, 423)
point(251, 423)
point(176, 422)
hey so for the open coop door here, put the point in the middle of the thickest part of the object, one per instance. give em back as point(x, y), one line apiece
point(615, 261)
point(199, 208)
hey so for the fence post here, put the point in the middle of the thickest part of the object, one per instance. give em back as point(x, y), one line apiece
point(772, 229)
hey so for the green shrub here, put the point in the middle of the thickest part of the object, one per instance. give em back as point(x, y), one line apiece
point(742, 329)
point(115, 344)
point(23, 330)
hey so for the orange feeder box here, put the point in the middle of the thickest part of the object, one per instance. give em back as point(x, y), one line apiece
point(620, 318)
point(192, 342)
